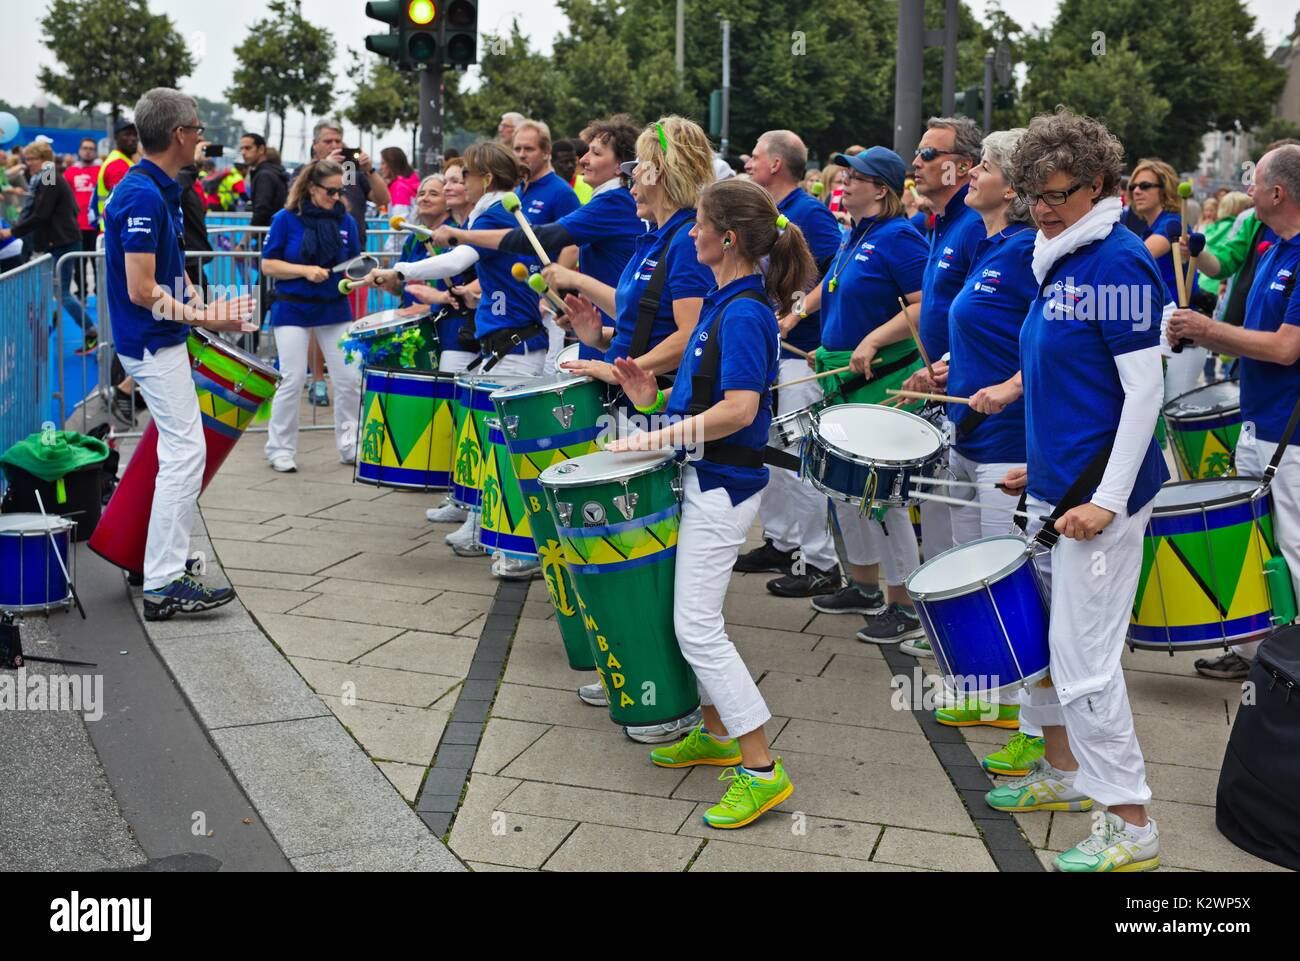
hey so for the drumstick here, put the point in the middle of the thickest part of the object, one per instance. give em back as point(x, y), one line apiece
point(59, 557)
point(916, 335)
point(511, 203)
point(943, 481)
point(1184, 194)
point(957, 502)
point(922, 395)
point(804, 380)
point(795, 350)
point(1180, 282)
point(538, 285)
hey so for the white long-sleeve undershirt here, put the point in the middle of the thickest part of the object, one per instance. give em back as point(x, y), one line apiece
point(1142, 377)
point(442, 266)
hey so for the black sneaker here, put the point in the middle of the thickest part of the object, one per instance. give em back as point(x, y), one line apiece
point(851, 599)
point(1229, 667)
point(184, 595)
point(811, 583)
point(137, 580)
point(123, 406)
point(765, 558)
point(895, 623)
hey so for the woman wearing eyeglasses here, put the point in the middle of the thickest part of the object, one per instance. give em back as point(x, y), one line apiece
point(313, 234)
point(1090, 370)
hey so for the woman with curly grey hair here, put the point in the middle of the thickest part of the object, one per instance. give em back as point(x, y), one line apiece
point(1091, 376)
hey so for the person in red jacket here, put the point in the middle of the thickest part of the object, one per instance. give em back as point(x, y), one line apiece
point(82, 177)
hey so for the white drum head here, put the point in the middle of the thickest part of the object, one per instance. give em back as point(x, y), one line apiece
point(1219, 397)
point(1192, 493)
point(873, 433)
point(569, 353)
point(603, 466)
point(32, 523)
point(966, 565)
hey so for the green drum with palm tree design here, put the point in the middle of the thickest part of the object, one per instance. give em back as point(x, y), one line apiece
point(503, 525)
point(543, 425)
point(470, 412)
point(1205, 425)
point(618, 517)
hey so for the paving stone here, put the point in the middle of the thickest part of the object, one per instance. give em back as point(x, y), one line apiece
point(794, 830)
point(503, 741)
point(1190, 743)
point(377, 511)
point(325, 640)
point(264, 600)
point(1035, 826)
point(600, 847)
point(597, 759)
point(785, 651)
point(459, 756)
point(280, 502)
point(231, 618)
point(400, 532)
point(239, 515)
point(734, 857)
point(392, 732)
point(407, 778)
point(1189, 839)
point(863, 703)
point(474, 628)
point(1191, 785)
point(546, 705)
point(614, 808)
point(1160, 662)
point(483, 832)
point(311, 488)
point(273, 579)
point(423, 651)
point(412, 688)
point(751, 610)
point(842, 627)
point(237, 531)
point(371, 543)
point(927, 849)
point(433, 570)
point(846, 644)
point(544, 665)
point(869, 745)
point(367, 610)
point(464, 600)
point(1179, 698)
point(443, 780)
point(423, 854)
point(458, 732)
point(483, 866)
point(384, 592)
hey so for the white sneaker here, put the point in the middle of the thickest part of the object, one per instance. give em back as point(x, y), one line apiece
point(466, 533)
point(593, 694)
point(664, 733)
point(1113, 845)
point(448, 513)
point(515, 568)
point(284, 465)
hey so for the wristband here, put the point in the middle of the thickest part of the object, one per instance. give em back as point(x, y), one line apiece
point(660, 403)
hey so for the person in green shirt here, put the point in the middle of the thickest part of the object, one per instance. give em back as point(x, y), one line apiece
point(1222, 243)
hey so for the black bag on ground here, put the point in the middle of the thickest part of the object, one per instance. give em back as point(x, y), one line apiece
point(65, 468)
point(1258, 802)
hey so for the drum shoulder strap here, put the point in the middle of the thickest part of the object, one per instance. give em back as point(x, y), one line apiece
point(647, 307)
point(1083, 485)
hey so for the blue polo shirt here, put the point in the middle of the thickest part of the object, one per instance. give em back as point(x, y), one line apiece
point(686, 278)
point(921, 221)
point(505, 301)
point(880, 261)
point(956, 234)
point(449, 324)
point(1269, 391)
point(1166, 263)
point(1099, 302)
point(143, 216)
point(312, 304)
point(605, 229)
point(822, 232)
point(984, 339)
point(546, 200)
point(748, 361)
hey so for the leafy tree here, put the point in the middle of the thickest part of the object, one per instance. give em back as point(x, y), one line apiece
point(1277, 128)
point(383, 96)
point(222, 126)
point(285, 58)
point(514, 77)
point(110, 52)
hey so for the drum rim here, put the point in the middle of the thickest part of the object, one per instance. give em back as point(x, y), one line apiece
point(251, 361)
point(56, 524)
point(536, 390)
point(872, 462)
point(409, 373)
point(1002, 574)
point(1212, 412)
point(472, 380)
point(1229, 500)
point(369, 333)
point(670, 457)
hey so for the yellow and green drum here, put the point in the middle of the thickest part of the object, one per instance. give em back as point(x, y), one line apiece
point(472, 408)
point(503, 522)
point(405, 429)
point(618, 516)
point(1205, 425)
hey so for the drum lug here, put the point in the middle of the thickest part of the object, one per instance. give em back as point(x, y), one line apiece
point(564, 414)
point(679, 488)
point(565, 511)
point(897, 490)
point(511, 422)
point(626, 503)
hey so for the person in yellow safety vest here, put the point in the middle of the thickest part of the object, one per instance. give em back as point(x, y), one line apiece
point(126, 142)
point(231, 191)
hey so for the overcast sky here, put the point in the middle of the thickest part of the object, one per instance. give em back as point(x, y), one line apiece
point(216, 28)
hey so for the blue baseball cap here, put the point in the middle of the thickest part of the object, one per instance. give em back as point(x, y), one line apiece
point(879, 162)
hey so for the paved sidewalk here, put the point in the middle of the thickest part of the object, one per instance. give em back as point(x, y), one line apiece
point(359, 593)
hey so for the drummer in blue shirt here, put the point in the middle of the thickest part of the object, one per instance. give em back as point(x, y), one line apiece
point(732, 354)
point(311, 236)
point(674, 163)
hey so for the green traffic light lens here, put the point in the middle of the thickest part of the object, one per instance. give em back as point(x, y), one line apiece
point(421, 12)
point(422, 47)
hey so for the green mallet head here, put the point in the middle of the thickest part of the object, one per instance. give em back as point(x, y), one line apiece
point(345, 286)
point(818, 188)
point(1185, 190)
point(510, 202)
point(538, 283)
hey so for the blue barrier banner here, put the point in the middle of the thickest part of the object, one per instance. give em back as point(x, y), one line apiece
point(26, 312)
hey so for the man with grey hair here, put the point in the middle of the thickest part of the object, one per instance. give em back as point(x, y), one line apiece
point(152, 306)
point(1268, 343)
point(793, 513)
point(510, 121)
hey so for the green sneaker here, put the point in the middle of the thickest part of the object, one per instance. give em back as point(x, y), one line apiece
point(917, 647)
point(1111, 847)
point(1037, 791)
point(698, 747)
point(747, 797)
point(972, 711)
point(1014, 759)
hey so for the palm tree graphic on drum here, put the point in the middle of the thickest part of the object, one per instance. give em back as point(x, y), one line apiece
point(1218, 464)
point(490, 492)
point(466, 462)
point(552, 557)
point(372, 440)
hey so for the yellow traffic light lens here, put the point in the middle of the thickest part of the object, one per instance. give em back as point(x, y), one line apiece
point(421, 12)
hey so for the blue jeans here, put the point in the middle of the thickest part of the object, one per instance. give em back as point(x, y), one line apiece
point(70, 303)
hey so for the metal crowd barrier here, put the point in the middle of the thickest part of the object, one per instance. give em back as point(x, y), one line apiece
point(26, 300)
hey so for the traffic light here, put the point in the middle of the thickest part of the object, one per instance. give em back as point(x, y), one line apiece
point(970, 102)
point(388, 45)
point(460, 33)
point(715, 113)
point(420, 39)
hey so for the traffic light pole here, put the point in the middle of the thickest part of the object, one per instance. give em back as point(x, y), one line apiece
point(430, 122)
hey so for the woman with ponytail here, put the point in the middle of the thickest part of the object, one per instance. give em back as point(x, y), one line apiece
point(734, 350)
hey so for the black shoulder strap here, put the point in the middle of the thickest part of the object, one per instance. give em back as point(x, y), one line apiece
point(648, 306)
point(1083, 485)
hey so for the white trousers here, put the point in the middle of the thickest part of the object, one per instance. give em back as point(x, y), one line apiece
point(554, 343)
point(1252, 458)
point(893, 546)
point(1092, 586)
point(291, 344)
point(993, 517)
point(1183, 371)
point(454, 361)
point(528, 364)
point(708, 544)
point(792, 511)
point(168, 387)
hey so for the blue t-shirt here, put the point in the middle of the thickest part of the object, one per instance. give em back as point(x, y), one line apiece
point(957, 232)
point(880, 261)
point(686, 278)
point(143, 216)
point(449, 324)
point(1099, 302)
point(822, 232)
point(1269, 391)
point(748, 361)
point(546, 200)
point(312, 304)
point(505, 301)
point(605, 228)
point(984, 339)
point(1166, 263)
point(921, 221)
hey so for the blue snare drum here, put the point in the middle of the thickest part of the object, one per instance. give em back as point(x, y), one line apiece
point(985, 611)
point(31, 578)
point(867, 454)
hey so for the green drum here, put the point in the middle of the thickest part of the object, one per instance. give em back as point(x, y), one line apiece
point(400, 339)
point(503, 519)
point(618, 516)
point(470, 411)
point(546, 424)
point(1204, 425)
